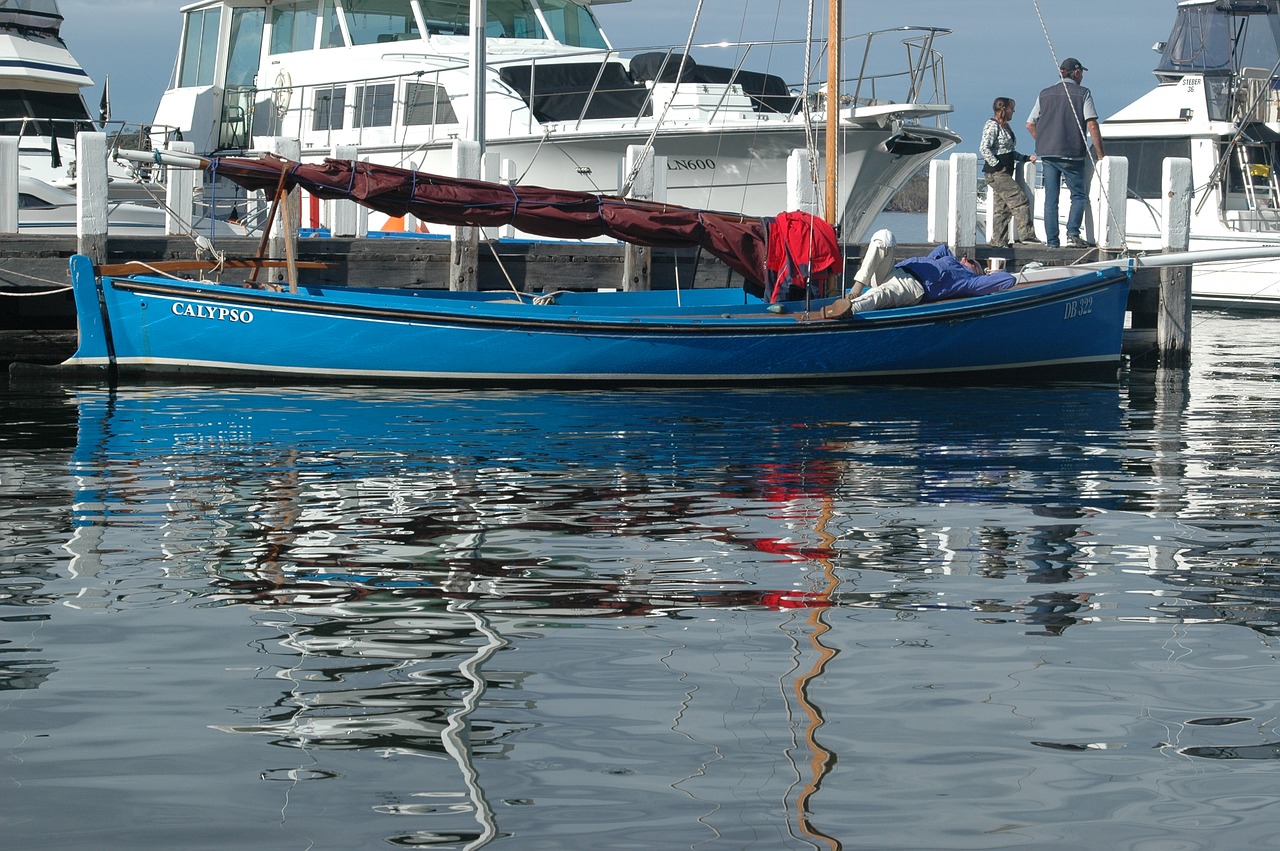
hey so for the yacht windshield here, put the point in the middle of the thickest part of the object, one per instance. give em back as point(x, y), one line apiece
point(568, 22)
point(294, 23)
point(572, 24)
point(199, 48)
point(380, 21)
point(513, 19)
point(1222, 37)
point(40, 15)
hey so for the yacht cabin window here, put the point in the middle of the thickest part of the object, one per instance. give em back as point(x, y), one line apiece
point(427, 104)
point(374, 104)
point(199, 48)
point(331, 26)
point(293, 26)
point(1146, 161)
point(27, 201)
point(18, 108)
point(381, 21)
point(328, 108)
point(246, 46)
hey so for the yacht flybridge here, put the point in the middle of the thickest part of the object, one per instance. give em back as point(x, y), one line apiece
point(392, 78)
point(1218, 104)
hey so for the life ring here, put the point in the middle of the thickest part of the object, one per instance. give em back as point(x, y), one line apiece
point(282, 94)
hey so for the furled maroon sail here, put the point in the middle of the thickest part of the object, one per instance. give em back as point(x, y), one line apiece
point(741, 242)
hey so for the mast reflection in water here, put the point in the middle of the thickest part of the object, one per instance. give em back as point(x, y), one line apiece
point(881, 617)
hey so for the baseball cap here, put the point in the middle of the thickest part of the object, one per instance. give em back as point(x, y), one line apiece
point(1070, 65)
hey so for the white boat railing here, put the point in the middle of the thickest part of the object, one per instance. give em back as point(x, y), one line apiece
point(925, 72)
point(725, 88)
point(44, 128)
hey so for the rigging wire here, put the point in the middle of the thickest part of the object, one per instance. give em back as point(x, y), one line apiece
point(1053, 53)
point(810, 137)
point(653, 134)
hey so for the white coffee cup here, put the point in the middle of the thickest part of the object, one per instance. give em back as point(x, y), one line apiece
point(995, 264)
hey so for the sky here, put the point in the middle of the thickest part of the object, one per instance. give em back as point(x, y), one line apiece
point(997, 47)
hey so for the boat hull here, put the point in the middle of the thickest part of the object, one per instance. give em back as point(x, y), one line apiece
point(149, 326)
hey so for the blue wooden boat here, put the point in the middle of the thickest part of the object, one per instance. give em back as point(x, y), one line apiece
point(145, 325)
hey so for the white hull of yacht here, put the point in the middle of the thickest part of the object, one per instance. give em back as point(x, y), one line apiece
point(1249, 284)
point(739, 170)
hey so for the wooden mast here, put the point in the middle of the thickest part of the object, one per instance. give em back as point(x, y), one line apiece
point(833, 105)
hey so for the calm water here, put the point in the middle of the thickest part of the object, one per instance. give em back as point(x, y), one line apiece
point(883, 618)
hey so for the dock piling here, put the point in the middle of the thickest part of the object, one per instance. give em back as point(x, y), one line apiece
point(91, 194)
point(465, 245)
point(180, 193)
point(1173, 325)
point(8, 184)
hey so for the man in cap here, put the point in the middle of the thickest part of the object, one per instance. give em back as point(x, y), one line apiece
point(1063, 114)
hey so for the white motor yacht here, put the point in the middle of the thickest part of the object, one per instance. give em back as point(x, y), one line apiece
point(392, 79)
point(1217, 103)
point(41, 85)
point(47, 210)
point(40, 90)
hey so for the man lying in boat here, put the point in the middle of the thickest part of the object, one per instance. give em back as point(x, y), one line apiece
point(937, 276)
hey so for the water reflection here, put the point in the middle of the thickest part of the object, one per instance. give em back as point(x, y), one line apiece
point(452, 578)
point(591, 505)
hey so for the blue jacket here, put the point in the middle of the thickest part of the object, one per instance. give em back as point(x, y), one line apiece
point(943, 276)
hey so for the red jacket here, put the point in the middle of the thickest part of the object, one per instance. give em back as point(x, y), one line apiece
point(801, 248)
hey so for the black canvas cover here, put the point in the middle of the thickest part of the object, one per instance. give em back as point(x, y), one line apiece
point(557, 91)
point(768, 92)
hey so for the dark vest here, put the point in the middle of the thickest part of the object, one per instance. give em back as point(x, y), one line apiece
point(1060, 125)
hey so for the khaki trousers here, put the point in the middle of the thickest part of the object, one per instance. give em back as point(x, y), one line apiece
point(1010, 203)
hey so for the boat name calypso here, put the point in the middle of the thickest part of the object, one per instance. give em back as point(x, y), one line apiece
point(206, 311)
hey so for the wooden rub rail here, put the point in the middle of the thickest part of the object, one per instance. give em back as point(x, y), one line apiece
point(139, 267)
